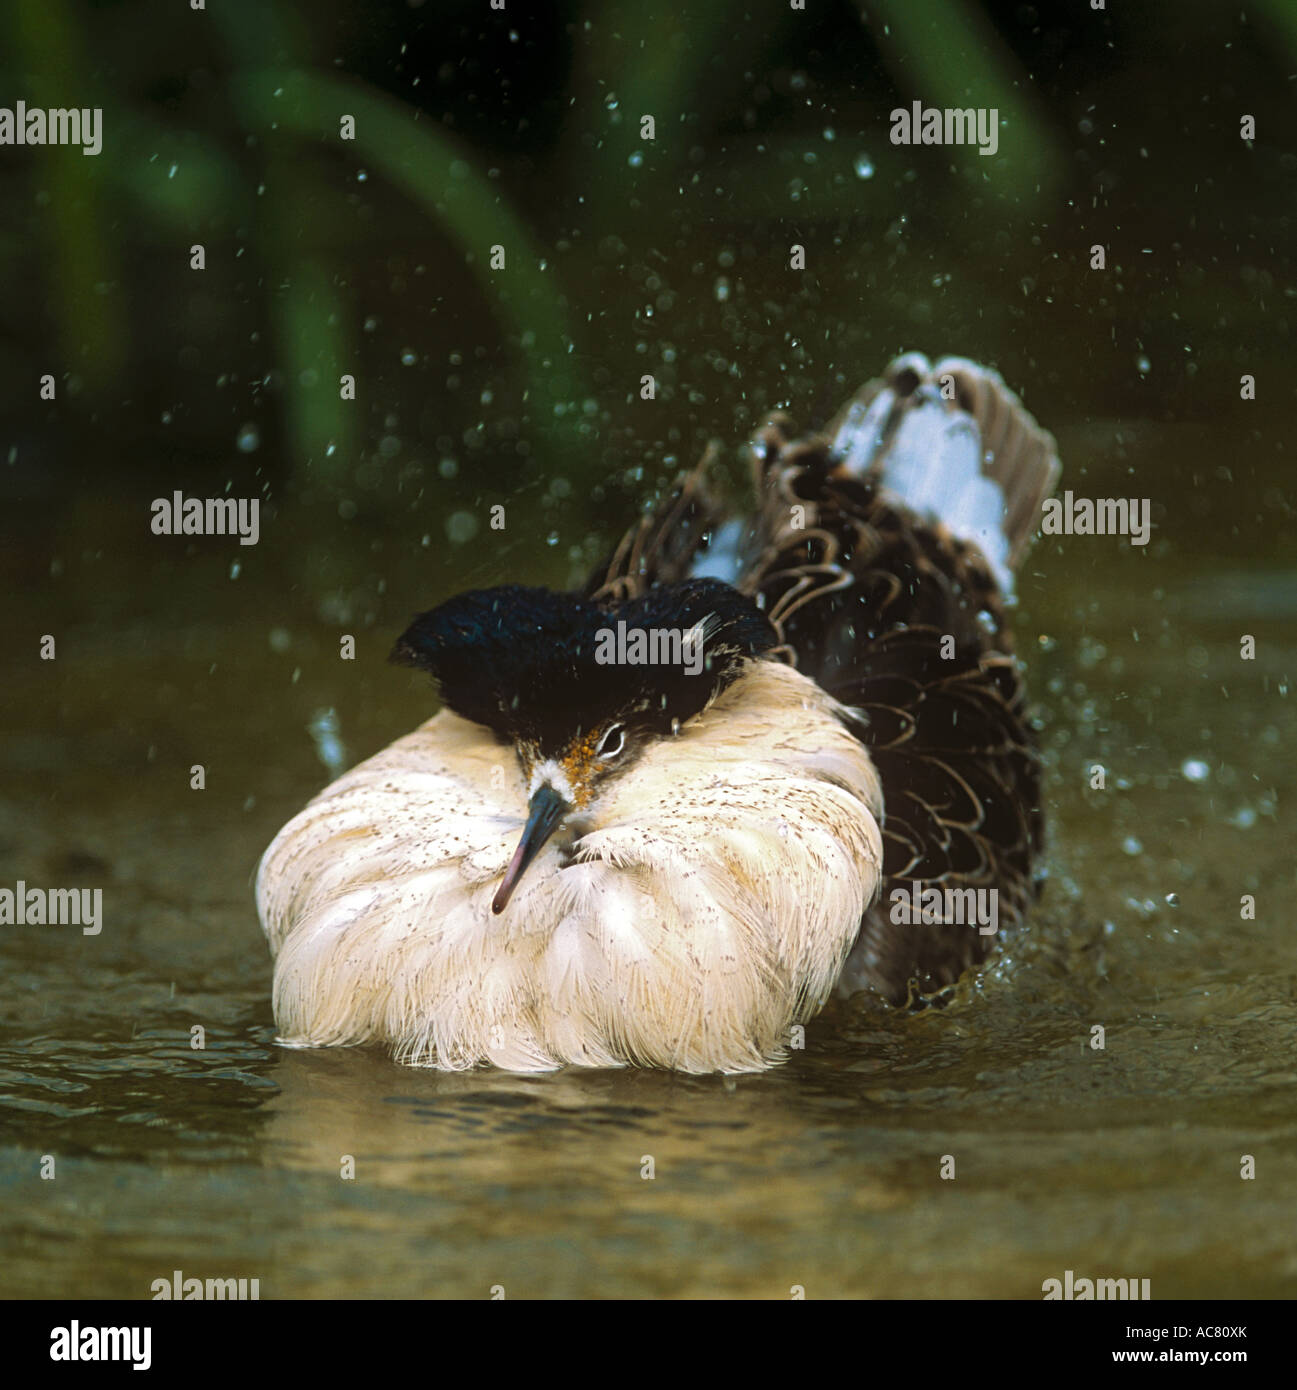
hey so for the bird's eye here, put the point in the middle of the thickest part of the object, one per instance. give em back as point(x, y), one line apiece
point(612, 743)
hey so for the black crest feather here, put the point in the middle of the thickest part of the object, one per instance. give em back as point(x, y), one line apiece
point(525, 661)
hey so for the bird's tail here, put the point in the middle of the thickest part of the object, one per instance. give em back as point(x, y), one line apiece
point(954, 443)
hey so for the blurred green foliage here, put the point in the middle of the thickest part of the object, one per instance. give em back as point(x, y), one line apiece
point(520, 128)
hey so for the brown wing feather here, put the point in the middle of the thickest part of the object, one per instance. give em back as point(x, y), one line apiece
point(662, 546)
point(863, 594)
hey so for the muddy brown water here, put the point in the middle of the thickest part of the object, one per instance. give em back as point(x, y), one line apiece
point(825, 1173)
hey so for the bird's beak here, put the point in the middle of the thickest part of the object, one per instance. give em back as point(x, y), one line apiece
point(545, 810)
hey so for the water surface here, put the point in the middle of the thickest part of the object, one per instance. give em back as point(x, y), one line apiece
point(824, 1173)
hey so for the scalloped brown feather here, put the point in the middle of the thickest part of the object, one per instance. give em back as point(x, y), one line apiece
point(861, 591)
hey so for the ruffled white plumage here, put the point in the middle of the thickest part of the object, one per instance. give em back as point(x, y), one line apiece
point(706, 905)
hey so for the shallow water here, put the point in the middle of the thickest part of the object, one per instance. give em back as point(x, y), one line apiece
point(824, 1173)
point(1119, 130)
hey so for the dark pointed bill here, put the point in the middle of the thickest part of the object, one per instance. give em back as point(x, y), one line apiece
point(545, 810)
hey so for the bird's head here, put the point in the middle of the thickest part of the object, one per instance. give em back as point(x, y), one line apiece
point(580, 688)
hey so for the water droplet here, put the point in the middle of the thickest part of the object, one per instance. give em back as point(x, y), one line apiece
point(829, 133)
point(234, 569)
point(1173, 900)
point(864, 167)
point(1194, 770)
point(635, 160)
point(1142, 365)
point(722, 289)
point(325, 734)
point(408, 357)
point(248, 440)
point(461, 527)
point(361, 176)
point(1131, 845)
point(171, 173)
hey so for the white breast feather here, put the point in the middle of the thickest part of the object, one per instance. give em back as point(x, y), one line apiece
point(708, 906)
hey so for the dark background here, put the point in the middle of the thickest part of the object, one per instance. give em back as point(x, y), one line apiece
point(474, 387)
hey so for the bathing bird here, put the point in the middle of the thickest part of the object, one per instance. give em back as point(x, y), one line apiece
point(660, 821)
